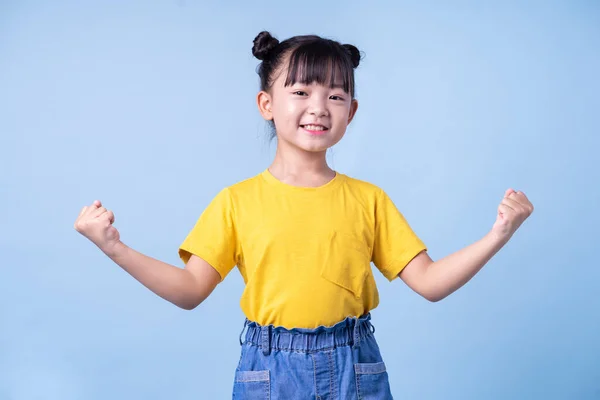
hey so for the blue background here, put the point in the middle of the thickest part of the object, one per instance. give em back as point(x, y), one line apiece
point(150, 107)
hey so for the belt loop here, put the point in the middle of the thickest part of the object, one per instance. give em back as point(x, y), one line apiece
point(356, 334)
point(242, 332)
point(265, 336)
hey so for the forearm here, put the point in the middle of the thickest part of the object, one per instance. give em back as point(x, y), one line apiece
point(445, 276)
point(173, 284)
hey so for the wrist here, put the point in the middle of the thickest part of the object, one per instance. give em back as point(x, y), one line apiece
point(114, 250)
point(496, 240)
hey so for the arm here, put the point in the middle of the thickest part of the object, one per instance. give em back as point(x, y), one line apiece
point(186, 288)
point(437, 280)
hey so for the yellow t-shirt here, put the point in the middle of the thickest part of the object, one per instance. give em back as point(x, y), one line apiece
point(304, 253)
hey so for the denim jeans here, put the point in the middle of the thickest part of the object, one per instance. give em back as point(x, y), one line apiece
point(327, 363)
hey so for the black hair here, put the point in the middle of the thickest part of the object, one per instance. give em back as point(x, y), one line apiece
point(311, 59)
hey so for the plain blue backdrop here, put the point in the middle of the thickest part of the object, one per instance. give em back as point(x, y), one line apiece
point(150, 107)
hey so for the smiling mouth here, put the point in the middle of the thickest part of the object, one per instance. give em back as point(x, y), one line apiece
point(315, 128)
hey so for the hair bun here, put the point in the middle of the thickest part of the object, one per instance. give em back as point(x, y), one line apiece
point(264, 43)
point(354, 54)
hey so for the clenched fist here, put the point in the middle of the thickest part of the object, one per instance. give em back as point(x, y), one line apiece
point(95, 222)
point(513, 210)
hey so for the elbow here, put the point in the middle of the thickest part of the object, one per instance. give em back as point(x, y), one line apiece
point(188, 304)
point(433, 297)
point(433, 293)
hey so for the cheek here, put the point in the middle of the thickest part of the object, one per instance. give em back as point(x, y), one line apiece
point(287, 114)
point(341, 115)
point(291, 108)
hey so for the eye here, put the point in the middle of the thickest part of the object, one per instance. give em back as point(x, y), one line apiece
point(334, 97)
point(300, 93)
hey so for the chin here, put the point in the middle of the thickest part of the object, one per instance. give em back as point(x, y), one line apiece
point(314, 149)
point(311, 144)
point(316, 146)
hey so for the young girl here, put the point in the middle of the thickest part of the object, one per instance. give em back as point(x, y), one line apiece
point(303, 237)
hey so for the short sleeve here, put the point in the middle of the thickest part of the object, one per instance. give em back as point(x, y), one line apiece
point(213, 237)
point(395, 243)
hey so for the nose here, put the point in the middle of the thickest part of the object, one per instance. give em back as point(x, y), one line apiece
point(318, 108)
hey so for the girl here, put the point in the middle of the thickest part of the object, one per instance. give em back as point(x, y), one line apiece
point(303, 237)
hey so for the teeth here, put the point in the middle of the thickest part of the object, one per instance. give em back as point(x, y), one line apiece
point(314, 127)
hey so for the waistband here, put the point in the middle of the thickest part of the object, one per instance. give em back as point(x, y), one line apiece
point(350, 331)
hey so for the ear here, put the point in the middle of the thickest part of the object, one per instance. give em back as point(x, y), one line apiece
point(264, 102)
point(353, 108)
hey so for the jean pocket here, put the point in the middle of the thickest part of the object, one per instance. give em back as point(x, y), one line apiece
point(252, 385)
point(346, 262)
point(372, 381)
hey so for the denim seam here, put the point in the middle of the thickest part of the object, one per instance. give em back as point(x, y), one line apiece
point(315, 375)
point(372, 373)
point(251, 380)
point(240, 360)
point(357, 377)
point(332, 385)
point(381, 368)
point(255, 379)
point(268, 387)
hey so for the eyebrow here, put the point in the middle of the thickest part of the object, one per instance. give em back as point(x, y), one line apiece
point(339, 85)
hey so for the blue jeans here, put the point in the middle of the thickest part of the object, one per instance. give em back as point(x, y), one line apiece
point(327, 363)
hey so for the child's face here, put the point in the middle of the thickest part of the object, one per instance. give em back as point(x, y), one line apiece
point(294, 108)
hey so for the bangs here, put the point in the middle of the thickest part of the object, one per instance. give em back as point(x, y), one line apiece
point(322, 63)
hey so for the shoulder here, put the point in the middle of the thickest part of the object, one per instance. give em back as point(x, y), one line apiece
point(244, 188)
point(363, 186)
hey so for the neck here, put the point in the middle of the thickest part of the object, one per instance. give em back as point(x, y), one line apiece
point(301, 168)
